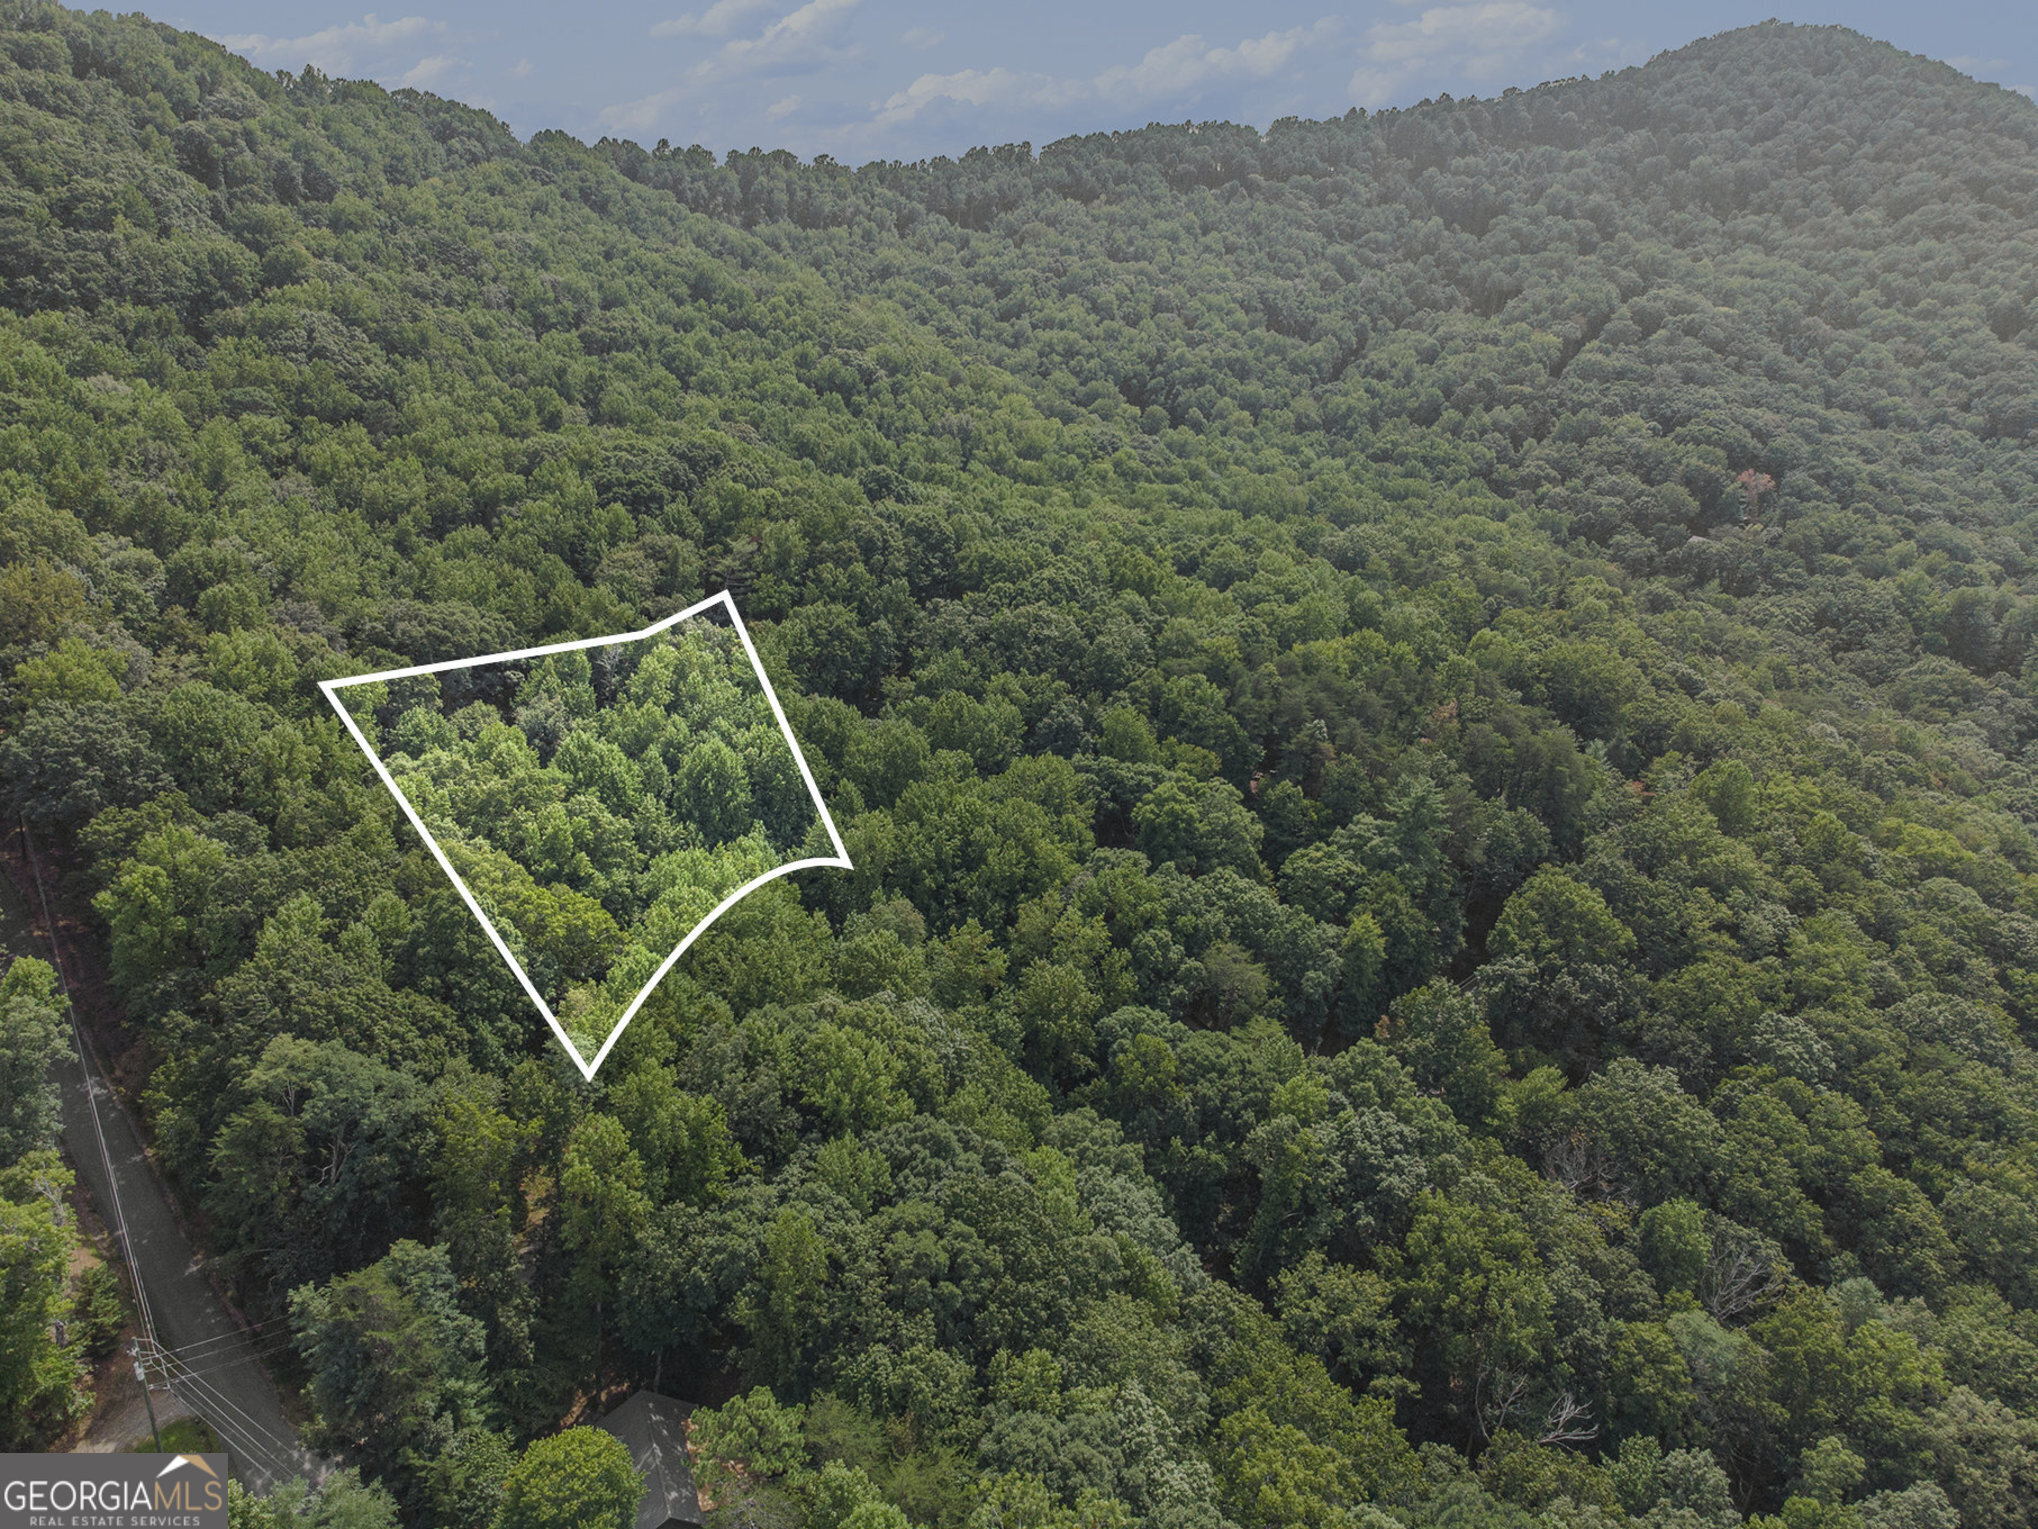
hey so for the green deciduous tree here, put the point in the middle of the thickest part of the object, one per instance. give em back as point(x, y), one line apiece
point(580, 1479)
point(37, 1395)
point(1198, 826)
point(396, 1366)
point(1476, 1305)
point(34, 1036)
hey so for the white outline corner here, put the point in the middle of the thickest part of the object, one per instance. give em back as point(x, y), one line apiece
point(838, 861)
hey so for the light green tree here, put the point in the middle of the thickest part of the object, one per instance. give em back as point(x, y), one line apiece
point(580, 1479)
point(33, 1037)
point(36, 1377)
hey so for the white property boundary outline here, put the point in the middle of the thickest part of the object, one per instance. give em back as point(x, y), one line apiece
point(838, 861)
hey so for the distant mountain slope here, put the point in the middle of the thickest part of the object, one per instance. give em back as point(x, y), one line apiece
point(1786, 249)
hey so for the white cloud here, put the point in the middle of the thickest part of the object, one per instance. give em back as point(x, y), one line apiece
point(1477, 41)
point(965, 87)
point(800, 33)
point(520, 69)
point(718, 20)
point(921, 37)
point(643, 114)
point(785, 106)
point(342, 49)
point(1171, 71)
point(427, 71)
point(1609, 53)
point(1188, 62)
point(797, 41)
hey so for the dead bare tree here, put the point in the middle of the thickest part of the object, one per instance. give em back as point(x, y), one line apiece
point(1738, 1277)
point(1569, 1421)
point(1581, 1165)
point(1498, 1392)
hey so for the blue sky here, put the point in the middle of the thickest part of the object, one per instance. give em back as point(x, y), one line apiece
point(905, 79)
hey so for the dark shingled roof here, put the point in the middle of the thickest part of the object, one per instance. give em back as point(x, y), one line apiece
point(651, 1428)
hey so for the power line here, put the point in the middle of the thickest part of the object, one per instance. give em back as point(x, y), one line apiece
point(240, 1445)
point(253, 1334)
point(268, 1451)
point(134, 1268)
point(261, 1446)
point(179, 1376)
point(220, 1360)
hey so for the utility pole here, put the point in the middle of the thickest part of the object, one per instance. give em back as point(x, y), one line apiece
point(148, 1401)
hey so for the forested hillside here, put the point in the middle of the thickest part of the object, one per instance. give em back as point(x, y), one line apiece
point(600, 804)
point(1434, 714)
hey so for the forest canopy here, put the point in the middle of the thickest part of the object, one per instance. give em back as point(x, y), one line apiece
point(1434, 714)
point(601, 803)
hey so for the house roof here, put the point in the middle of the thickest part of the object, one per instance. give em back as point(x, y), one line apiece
point(652, 1429)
